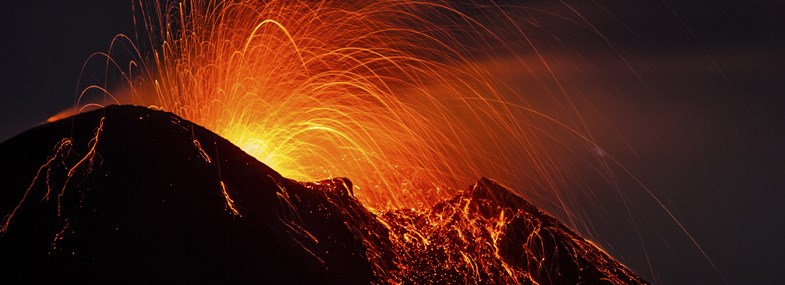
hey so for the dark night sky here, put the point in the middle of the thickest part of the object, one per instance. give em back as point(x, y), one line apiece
point(705, 125)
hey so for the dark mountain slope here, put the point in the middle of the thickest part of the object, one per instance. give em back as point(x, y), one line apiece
point(131, 195)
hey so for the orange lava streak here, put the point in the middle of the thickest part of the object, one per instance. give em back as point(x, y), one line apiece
point(60, 153)
point(61, 150)
point(229, 202)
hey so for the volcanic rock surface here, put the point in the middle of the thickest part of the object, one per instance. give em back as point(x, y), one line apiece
point(128, 194)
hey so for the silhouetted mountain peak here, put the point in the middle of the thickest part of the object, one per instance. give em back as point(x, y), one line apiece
point(128, 194)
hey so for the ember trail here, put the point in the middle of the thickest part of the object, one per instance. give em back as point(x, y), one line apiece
point(391, 93)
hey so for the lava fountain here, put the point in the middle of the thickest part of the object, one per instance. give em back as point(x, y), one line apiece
point(401, 96)
point(390, 93)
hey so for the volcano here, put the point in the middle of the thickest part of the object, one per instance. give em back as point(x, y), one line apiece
point(128, 194)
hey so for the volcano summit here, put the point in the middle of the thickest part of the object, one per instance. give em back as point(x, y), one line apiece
point(128, 194)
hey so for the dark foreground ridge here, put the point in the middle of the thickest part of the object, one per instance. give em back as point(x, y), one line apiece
point(131, 195)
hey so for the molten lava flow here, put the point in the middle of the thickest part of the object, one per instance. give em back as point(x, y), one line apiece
point(378, 91)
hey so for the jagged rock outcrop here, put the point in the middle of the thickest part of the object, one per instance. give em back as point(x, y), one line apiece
point(128, 194)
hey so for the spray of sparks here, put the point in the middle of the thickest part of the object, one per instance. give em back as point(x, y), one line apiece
point(394, 94)
point(389, 92)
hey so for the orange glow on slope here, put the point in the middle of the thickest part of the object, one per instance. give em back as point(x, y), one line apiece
point(384, 92)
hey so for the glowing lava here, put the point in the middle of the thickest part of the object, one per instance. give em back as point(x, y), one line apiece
point(378, 91)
